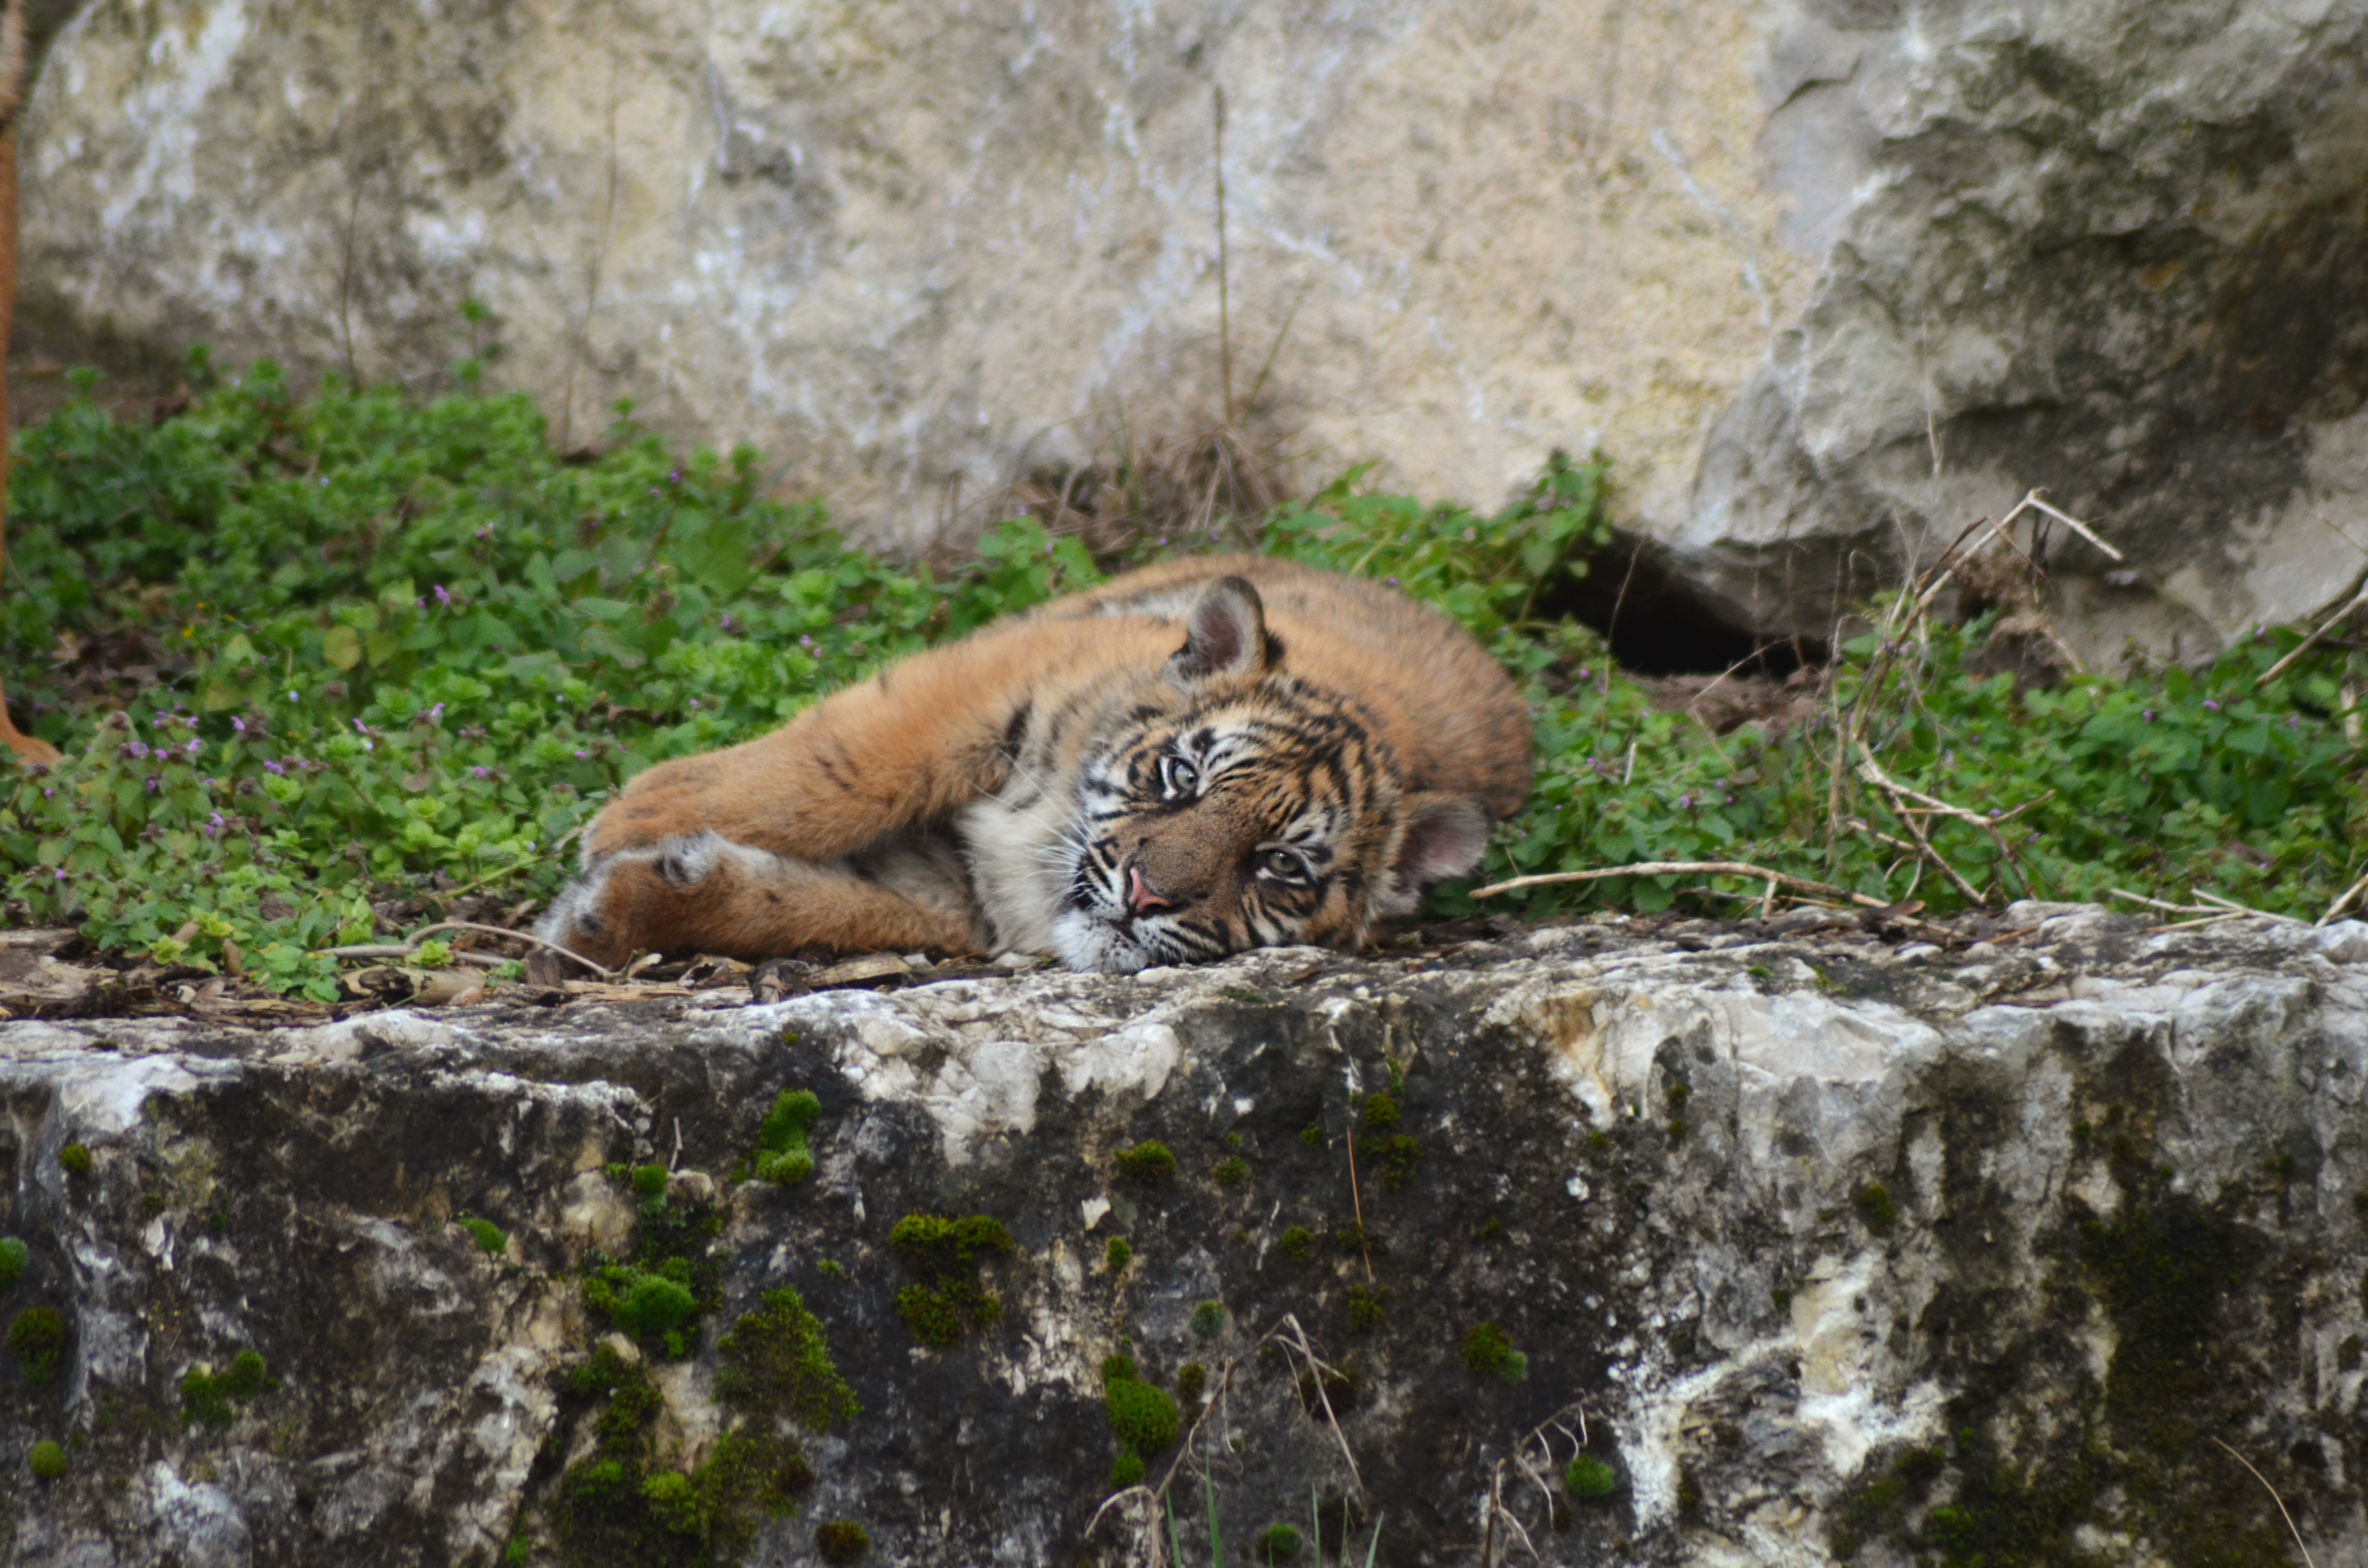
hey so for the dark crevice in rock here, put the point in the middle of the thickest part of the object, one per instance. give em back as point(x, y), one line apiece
point(1659, 621)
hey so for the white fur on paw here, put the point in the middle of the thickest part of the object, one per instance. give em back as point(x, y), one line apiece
point(684, 861)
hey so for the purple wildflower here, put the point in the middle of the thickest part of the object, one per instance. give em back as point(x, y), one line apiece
point(475, 772)
point(134, 750)
point(2210, 706)
point(215, 825)
point(484, 532)
point(674, 476)
point(582, 755)
point(1685, 802)
point(441, 596)
point(192, 747)
point(154, 784)
point(47, 792)
point(361, 728)
point(238, 725)
point(1393, 582)
point(436, 714)
point(280, 768)
point(2147, 715)
point(804, 640)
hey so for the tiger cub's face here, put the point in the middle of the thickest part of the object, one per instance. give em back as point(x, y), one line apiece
point(1255, 811)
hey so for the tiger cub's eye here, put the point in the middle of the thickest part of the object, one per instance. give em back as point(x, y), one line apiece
point(1282, 865)
point(1176, 777)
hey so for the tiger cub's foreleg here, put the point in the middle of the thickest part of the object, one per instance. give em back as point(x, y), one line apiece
point(704, 894)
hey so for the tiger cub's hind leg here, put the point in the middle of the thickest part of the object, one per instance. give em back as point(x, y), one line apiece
point(703, 894)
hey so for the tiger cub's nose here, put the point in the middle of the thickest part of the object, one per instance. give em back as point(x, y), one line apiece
point(1140, 895)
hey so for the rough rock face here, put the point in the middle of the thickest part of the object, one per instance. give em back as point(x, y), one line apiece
point(1832, 1251)
point(1766, 258)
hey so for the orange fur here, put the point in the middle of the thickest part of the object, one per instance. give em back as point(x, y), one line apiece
point(923, 807)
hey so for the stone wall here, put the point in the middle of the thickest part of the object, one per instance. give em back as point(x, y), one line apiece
point(1828, 1251)
point(1773, 259)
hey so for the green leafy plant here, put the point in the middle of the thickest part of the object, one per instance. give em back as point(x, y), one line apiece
point(312, 659)
point(46, 1459)
point(1117, 1254)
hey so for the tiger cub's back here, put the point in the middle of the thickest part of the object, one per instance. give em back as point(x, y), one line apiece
point(1448, 710)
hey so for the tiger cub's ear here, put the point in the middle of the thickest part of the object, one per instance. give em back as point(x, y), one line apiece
point(1225, 634)
point(1444, 836)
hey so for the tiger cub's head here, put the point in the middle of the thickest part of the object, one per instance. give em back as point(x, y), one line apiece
point(1237, 807)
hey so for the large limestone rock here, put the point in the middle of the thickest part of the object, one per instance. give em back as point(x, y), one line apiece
point(1773, 259)
point(1830, 1251)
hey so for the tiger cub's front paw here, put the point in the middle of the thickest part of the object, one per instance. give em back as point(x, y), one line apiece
point(621, 904)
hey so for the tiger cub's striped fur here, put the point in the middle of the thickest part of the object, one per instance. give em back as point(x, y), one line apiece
point(1204, 756)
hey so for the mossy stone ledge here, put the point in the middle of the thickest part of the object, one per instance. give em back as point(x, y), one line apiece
point(1967, 1253)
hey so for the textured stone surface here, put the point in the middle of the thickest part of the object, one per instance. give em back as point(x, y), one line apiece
point(2111, 249)
point(1844, 1252)
point(1767, 256)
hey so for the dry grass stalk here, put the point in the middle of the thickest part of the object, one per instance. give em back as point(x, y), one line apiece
point(2353, 597)
point(1292, 1339)
point(2281, 1501)
point(2343, 901)
point(1539, 1474)
point(409, 947)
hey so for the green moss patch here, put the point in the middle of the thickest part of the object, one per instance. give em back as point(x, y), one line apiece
point(656, 1296)
point(776, 1360)
point(781, 1154)
point(47, 1459)
point(1589, 1480)
point(37, 1339)
point(622, 1505)
point(490, 1238)
point(841, 1540)
point(14, 1257)
point(1147, 1164)
point(208, 1397)
point(1143, 1418)
point(1488, 1352)
point(947, 1251)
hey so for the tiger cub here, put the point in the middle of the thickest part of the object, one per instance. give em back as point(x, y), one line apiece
point(1203, 757)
